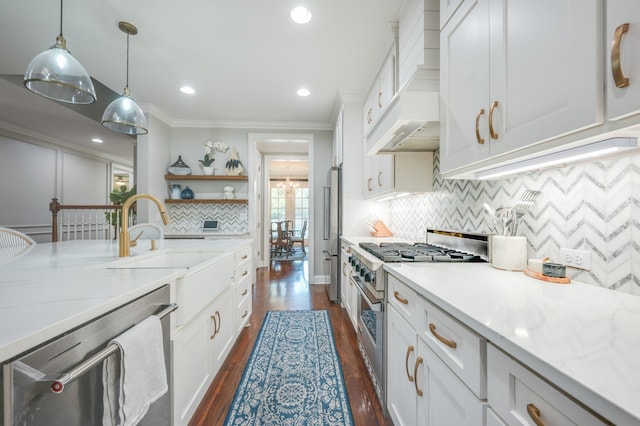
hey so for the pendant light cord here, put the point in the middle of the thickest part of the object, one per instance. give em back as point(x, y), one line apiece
point(127, 81)
point(61, 1)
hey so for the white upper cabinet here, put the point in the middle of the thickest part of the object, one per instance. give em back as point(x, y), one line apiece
point(338, 140)
point(381, 93)
point(419, 46)
point(518, 73)
point(623, 61)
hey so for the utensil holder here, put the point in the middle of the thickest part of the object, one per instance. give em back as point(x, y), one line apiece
point(509, 253)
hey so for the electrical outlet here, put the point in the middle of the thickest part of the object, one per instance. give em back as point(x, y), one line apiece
point(580, 259)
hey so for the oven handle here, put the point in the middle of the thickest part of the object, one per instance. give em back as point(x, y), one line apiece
point(58, 385)
point(376, 305)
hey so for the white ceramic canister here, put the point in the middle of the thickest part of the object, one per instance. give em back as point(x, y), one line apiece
point(509, 253)
point(175, 191)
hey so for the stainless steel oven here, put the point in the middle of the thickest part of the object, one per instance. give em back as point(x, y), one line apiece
point(370, 325)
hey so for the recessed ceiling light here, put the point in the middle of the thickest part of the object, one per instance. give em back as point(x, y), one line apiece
point(97, 140)
point(303, 92)
point(188, 90)
point(301, 15)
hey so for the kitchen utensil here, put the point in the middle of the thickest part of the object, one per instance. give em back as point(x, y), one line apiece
point(526, 201)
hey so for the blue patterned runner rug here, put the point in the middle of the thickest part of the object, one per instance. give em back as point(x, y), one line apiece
point(293, 376)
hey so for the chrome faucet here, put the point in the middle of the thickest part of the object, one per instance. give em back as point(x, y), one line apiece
point(124, 244)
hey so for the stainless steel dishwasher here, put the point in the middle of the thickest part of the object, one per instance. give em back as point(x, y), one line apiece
point(60, 383)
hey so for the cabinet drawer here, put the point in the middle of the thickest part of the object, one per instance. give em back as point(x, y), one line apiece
point(517, 395)
point(404, 299)
point(243, 290)
point(244, 312)
point(243, 255)
point(464, 351)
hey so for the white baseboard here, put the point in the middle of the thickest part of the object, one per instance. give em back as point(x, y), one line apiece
point(321, 279)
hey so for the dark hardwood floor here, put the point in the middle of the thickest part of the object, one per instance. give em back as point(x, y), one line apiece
point(285, 287)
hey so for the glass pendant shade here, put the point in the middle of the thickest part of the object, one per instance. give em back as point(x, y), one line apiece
point(57, 75)
point(123, 115)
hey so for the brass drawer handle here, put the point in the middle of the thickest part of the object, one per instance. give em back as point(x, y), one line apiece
point(245, 314)
point(478, 137)
point(493, 134)
point(534, 413)
point(415, 374)
point(244, 292)
point(215, 327)
point(369, 184)
point(245, 256)
point(369, 119)
point(400, 299)
point(344, 269)
point(447, 342)
point(406, 363)
point(616, 66)
point(219, 322)
point(379, 99)
point(379, 180)
point(245, 273)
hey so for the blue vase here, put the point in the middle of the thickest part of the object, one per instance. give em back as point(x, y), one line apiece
point(187, 193)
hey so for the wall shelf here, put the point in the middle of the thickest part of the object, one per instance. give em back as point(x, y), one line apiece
point(205, 177)
point(202, 201)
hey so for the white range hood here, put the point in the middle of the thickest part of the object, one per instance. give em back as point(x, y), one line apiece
point(410, 124)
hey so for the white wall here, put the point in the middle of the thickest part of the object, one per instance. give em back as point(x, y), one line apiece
point(31, 174)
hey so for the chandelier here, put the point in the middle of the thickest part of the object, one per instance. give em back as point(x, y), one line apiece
point(288, 185)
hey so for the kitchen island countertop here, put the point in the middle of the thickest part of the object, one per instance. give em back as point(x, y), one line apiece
point(583, 338)
point(54, 287)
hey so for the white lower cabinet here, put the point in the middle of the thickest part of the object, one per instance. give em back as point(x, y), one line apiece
point(421, 389)
point(520, 397)
point(199, 349)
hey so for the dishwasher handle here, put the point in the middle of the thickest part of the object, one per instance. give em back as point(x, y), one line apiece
point(58, 385)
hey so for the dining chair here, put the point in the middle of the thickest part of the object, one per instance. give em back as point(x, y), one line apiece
point(299, 238)
point(282, 243)
point(12, 238)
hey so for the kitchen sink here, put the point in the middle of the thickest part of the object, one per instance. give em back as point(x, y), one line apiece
point(167, 259)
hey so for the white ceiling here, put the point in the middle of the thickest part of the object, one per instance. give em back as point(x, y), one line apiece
point(245, 58)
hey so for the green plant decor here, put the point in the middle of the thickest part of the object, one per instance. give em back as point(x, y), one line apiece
point(119, 196)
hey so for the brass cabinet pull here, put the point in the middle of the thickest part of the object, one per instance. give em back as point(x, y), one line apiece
point(478, 137)
point(616, 66)
point(400, 299)
point(245, 273)
point(245, 256)
point(379, 180)
point(369, 119)
point(447, 342)
point(379, 99)
point(215, 327)
point(534, 413)
point(415, 374)
point(493, 134)
point(406, 362)
point(245, 314)
point(244, 292)
point(369, 184)
point(218, 322)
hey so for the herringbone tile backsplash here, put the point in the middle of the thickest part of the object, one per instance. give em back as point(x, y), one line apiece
point(187, 218)
point(593, 206)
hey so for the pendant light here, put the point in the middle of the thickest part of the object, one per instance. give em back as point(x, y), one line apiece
point(123, 114)
point(57, 75)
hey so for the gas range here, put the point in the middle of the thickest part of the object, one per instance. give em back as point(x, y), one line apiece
point(368, 258)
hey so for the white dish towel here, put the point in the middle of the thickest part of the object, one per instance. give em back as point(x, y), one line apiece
point(137, 376)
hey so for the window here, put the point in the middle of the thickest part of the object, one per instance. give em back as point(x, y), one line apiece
point(301, 208)
point(278, 204)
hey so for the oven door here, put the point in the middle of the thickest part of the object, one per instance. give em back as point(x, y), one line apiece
point(371, 327)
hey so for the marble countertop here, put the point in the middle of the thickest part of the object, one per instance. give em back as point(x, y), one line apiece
point(583, 338)
point(54, 287)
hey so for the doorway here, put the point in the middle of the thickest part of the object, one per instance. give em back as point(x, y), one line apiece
point(287, 201)
point(283, 146)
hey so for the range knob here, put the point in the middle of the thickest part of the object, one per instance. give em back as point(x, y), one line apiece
point(353, 261)
point(358, 266)
point(368, 276)
point(350, 260)
point(363, 270)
